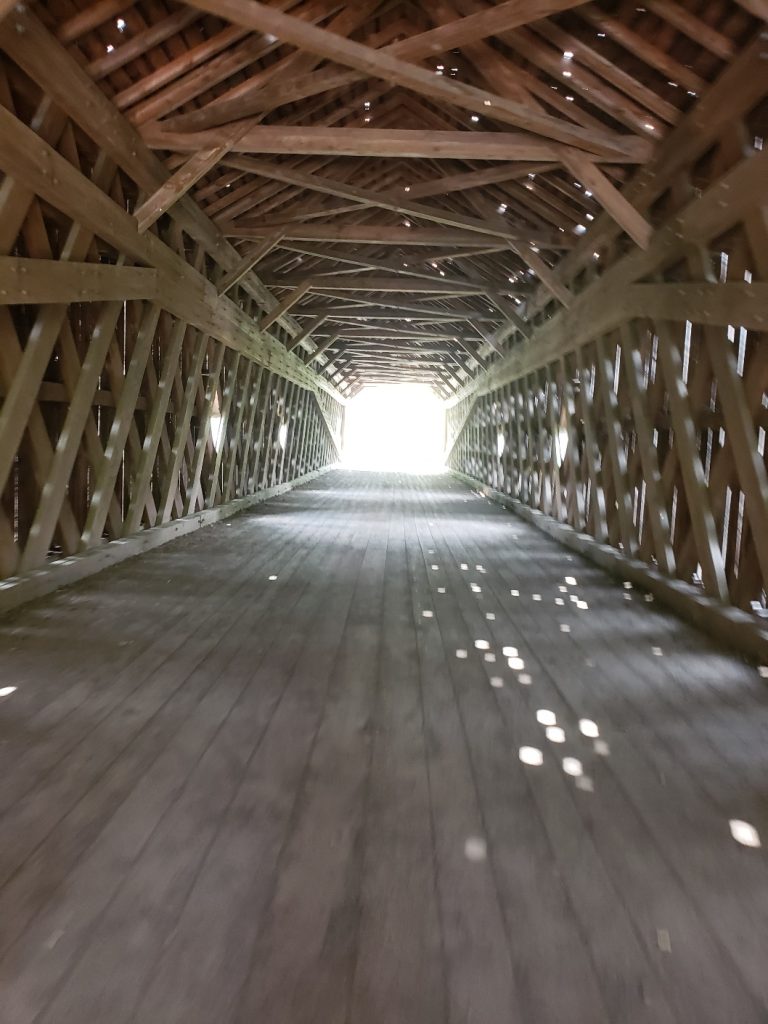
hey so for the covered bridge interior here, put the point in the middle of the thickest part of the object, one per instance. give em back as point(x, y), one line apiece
point(285, 742)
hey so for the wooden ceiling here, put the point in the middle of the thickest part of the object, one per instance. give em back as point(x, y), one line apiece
point(406, 176)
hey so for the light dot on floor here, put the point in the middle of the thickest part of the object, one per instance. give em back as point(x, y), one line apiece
point(657, 651)
point(562, 589)
point(490, 616)
point(489, 656)
point(648, 598)
point(602, 748)
point(441, 590)
point(516, 664)
point(536, 597)
point(763, 670)
point(555, 734)
point(497, 682)
point(531, 755)
point(482, 645)
point(564, 627)
point(627, 585)
point(434, 567)
point(461, 653)
point(6, 691)
point(545, 717)
point(745, 833)
point(571, 581)
point(524, 679)
point(559, 601)
point(509, 652)
point(272, 578)
point(572, 766)
point(584, 782)
point(463, 566)
point(515, 593)
point(475, 588)
point(475, 848)
point(582, 605)
point(588, 728)
point(428, 614)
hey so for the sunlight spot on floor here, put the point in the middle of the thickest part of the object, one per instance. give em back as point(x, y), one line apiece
point(658, 652)
point(564, 627)
point(584, 782)
point(559, 601)
point(490, 656)
point(441, 590)
point(516, 664)
point(463, 566)
point(515, 593)
point(555, 734)
point(490, 616)
point(536, 597)
point(6, 691)
point(475, 848)
point(745, 833)
point(627, 585)
point(588, 728)
point(545, 717)
point(648, 598)
point(497, 682)
point(531, 755)
point(572, 766)
point(571, 581)
point(461, 653)
point(602, 748)
point(582, 605)
point(482, 645)
point(510, 652)
point(475, 588)
point(427, 614)
point(763, 670)
point(627, 597)
point(272, 578)
point(434, 568)
point(562, 589)
point(524, 679)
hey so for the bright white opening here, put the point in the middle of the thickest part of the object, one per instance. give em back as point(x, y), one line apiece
point(395, 427)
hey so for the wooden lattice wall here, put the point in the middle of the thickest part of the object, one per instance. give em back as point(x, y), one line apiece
point(638, 413)
point(136, 384)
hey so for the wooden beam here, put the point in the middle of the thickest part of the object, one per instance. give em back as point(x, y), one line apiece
point(6, 6)
point(283, 307)
point(403, 204)
point(249, 261)
point(610, 198)
point(363, 283)
point(379, 234)
point(44, 282)
point(382, 142)
point(378, 64)
point(179, 183)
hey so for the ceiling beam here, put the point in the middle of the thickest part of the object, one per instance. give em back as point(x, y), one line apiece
point(385, 234)
point(378, 64)
point(496, 227)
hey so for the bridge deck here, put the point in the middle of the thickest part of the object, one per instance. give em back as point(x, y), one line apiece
point(272, 772)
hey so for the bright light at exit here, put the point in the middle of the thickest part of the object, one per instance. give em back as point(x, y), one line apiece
point(395, 427)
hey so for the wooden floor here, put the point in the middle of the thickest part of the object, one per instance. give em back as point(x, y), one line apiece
point(271, 774)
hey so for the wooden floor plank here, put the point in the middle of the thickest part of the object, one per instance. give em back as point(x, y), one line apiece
point(290, 800)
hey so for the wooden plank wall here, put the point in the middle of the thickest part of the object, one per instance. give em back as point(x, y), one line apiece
point(133, 392)
point(638, 414)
